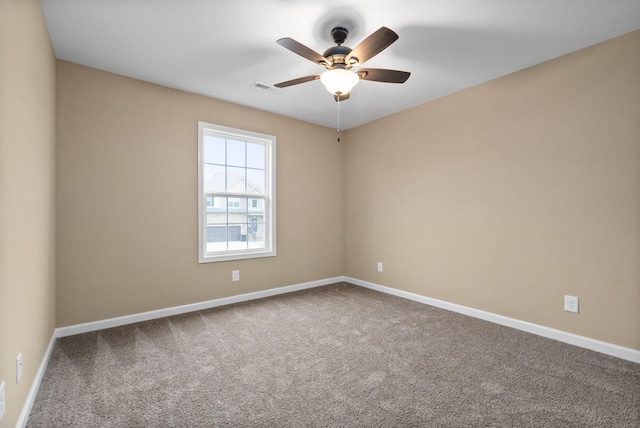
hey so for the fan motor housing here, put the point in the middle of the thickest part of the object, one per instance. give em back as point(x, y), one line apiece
point(337, 54)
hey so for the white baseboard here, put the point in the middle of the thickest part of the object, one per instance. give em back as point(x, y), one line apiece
point(35, 386)
point(177, 310)
point(145, 316)
point(559, 335)
point(562, 336)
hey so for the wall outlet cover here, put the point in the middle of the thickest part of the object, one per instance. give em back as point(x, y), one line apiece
point(2, 400)
point(571, 304)
point(19, 367)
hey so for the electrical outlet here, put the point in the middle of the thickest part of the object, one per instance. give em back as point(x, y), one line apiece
point(2, 400)
point(235, 275)
point(571, 304)
point(19, 367)
point(379, 266)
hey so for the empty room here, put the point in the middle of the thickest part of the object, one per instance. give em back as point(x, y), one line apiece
point(296, 214)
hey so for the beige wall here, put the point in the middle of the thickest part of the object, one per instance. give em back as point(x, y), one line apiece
point(27, 153)
point(511, 194)
point(127, 196)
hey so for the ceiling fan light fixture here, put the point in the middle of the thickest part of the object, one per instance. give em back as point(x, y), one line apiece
point(339, 81)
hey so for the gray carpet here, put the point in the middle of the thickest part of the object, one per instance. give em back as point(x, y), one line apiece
point(338, 355)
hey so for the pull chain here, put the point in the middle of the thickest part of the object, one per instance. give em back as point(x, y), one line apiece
point(338, 129)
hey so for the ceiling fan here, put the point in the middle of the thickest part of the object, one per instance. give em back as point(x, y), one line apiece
point(338, 60)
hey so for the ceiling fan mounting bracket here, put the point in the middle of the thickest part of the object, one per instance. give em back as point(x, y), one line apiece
point(339, 35)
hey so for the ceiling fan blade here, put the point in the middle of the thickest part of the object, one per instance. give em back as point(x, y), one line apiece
point(382, 75)
point(305, 52)
point(297, 81)
point(340, 97)
point(372, 45)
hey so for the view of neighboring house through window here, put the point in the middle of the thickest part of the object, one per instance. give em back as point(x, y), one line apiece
point(236, 193)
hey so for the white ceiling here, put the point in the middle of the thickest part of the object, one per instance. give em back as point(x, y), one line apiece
point(220, 48)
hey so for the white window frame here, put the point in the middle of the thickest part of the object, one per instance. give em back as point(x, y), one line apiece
point(269, 142)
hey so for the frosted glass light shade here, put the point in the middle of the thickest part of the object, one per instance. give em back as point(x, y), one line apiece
point(339, 81)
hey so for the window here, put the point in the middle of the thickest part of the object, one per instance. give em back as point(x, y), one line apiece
point(236, 194)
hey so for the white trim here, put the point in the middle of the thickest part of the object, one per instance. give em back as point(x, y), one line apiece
point(559, 335)
point(269, 196)
point(35, 386)
point(177, 310)
point(145, 316)
point(562, 336)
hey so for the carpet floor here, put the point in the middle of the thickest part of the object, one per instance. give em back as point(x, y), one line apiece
point(338, 355)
